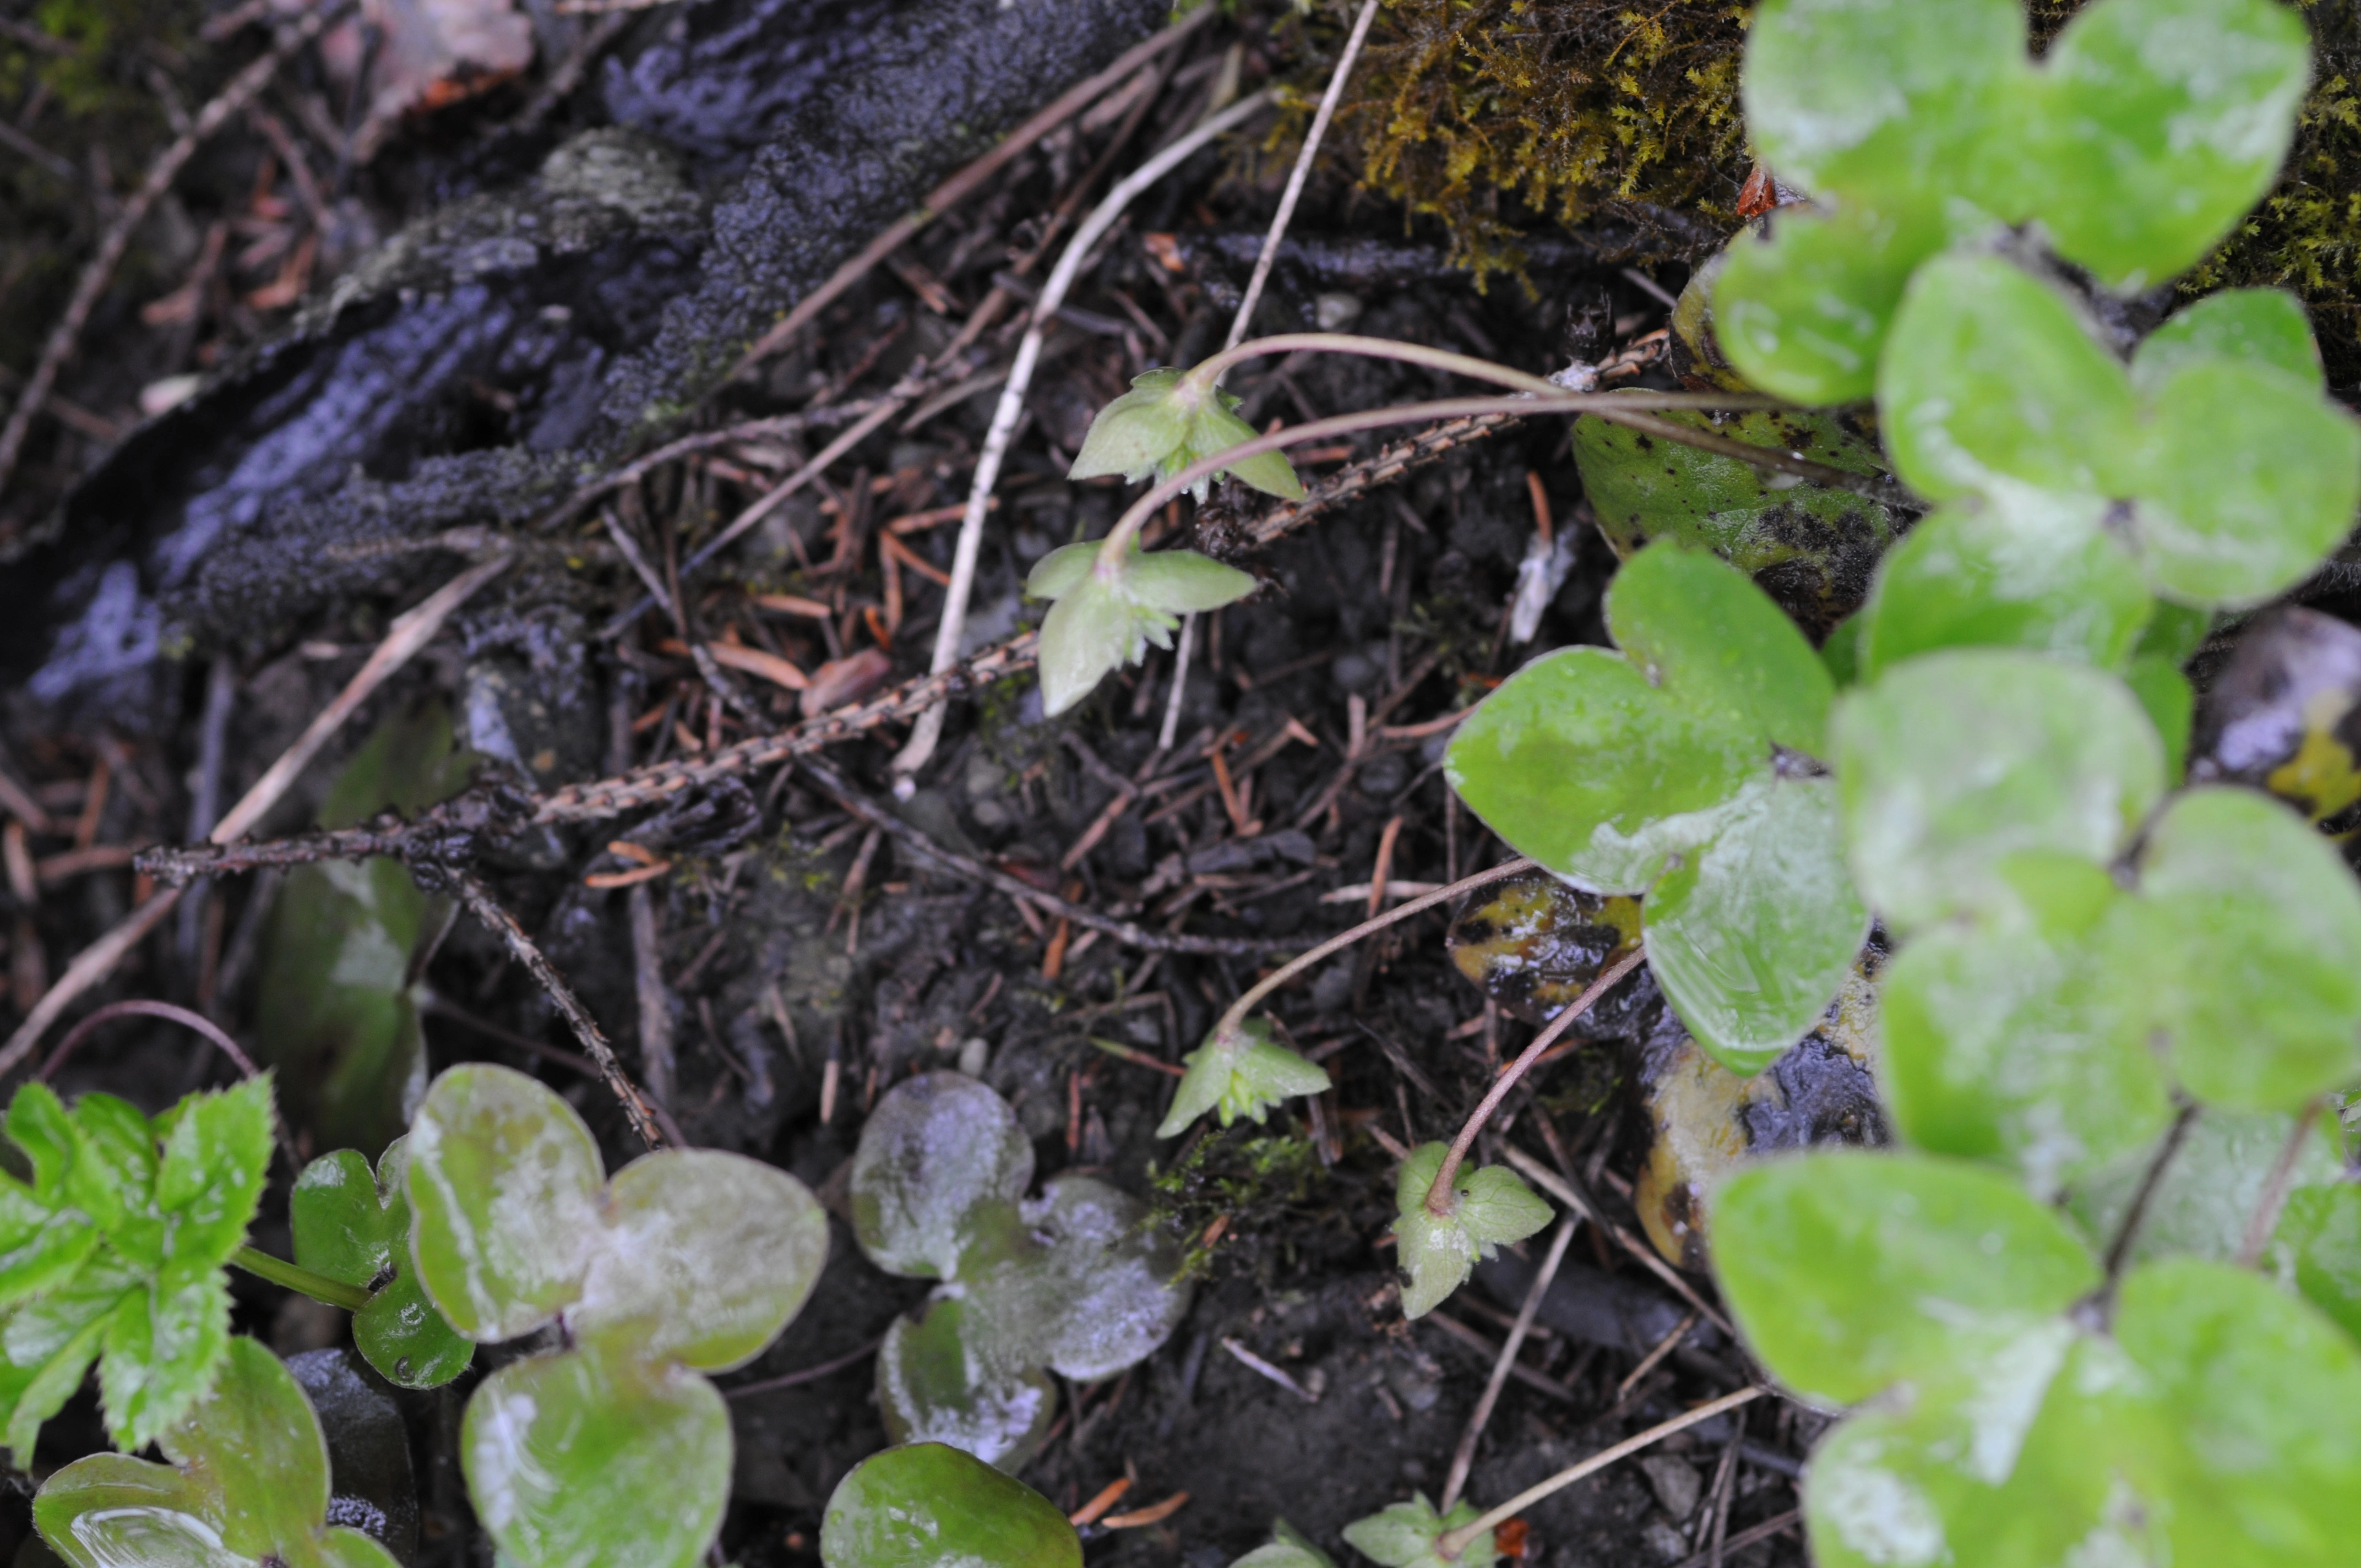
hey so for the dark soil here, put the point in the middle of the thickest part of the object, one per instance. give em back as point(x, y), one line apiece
point(1385, 617)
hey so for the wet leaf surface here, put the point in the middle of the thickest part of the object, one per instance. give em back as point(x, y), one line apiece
point(1534, 944)
point(352, 1224)
point(925, 1504)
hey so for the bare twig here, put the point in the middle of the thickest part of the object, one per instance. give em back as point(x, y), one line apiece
point(920, 746)
point(1295, 178)
point(1466, 1455)
point(965, 183)
point(806, 1374)
point(1350, 483)
point(1122, 932)
point(1439, 1197)
point(1776, 1525)
point(1452, 1543)
point(486, 908)
point(99, 271)
point(1558, 1187)
point(1655, 1356)
point(410, 631)
point(2266, 1217)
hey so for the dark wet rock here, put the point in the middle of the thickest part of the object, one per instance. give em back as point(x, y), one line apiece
point(1617, 1311)
point(495, 352)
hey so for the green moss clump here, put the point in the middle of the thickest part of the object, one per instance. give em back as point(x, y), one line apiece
point(1572, 109)
point(1259, 1185)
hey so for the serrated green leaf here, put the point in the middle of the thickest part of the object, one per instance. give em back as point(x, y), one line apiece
point(593, 1457)
point(938, 1146)
point(503, 1182)
point(1848, 1271)
point(352, 1225)
point(1754, 932)
point(1998, 1046)
point(704, 1254)
point(1403, 1536)
point(925, 1504)
point(1804, 314)
point(1491, 1207)
point(164, 1346)
point(1953, 763)
point(50, 1346)
point(2262, 326)
point(2157, 123)
point(40, 1125)
point(216, 1162)
point(1244, 1076)
point(935, 1385)
point(2242, 956)
point(2021, 571)
point(113, 1175)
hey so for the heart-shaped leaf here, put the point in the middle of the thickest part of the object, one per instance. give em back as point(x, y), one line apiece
point(1091, 1290)
point(925, 1505)
point(935, 1385)
point(2233, 476)
point(2260, 327)
point(1803, 311)
point(936, 1146)
point(691, 1256)
point(248, 1480)
point(597, 1456)
point(2155, 125)
point(1847, 1271)
point(504, 1182)
point(1615, 770)
point(1953, 762)
point(352, 1225)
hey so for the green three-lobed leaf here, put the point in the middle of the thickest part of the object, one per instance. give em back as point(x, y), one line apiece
point(1489, 1208)
point(352, 1226)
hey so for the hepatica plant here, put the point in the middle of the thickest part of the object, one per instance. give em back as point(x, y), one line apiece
point(1068, 1282)
point(615, 1449)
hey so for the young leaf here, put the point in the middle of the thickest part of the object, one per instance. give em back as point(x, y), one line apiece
point(938, 1146)
point(1091, 1288)
point(1287, 1548)
point(1489, 1207)
point(1953, 763)
point(2241, 958)
point(1848, 1271)
point(1243, 1074)
point(936, 1385)
point(1618, 770)
point(1105, 618)
point(925, 1505)
point(503, 1183)
point(2157, 124)
point(352, 1225)
point(597, 1456)
point(1167, 422)
point(2263, 326)
point(1403, 1536)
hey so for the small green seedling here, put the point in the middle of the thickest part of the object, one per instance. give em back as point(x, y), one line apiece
point(1107, 613)
point(1403, 1536)
point(352, 1226)
point(114, 1251)
point(1239, 1071)
point(1489, 1208)
point(1685, 767)
point(247, 1481)
point(926, 1504)
point(1069, 1282)
point(1168, 420)
point(613, 1451)
point(1287, 1548)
